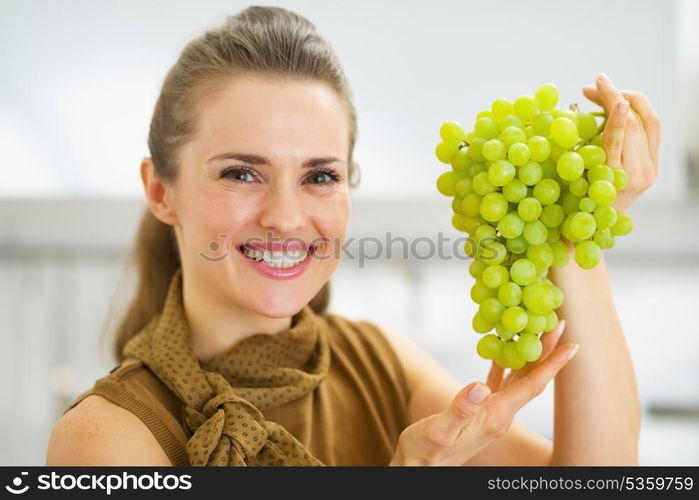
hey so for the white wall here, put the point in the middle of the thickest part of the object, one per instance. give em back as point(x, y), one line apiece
point(80, 78)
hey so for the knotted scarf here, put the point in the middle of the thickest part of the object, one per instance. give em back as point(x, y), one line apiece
point(224, 396)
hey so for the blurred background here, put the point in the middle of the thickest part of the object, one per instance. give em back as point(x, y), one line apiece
point(79, 82)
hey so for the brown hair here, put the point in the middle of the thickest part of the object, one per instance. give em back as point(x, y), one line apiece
point(268, 41)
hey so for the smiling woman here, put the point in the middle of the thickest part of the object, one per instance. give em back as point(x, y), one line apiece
point(233, 359)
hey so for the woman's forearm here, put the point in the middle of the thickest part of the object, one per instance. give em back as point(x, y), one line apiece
point(596, 405)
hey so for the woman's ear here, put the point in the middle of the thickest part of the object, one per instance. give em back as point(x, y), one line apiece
point(158, 193)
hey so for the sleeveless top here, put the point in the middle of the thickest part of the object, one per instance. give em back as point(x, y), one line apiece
point(352, 418)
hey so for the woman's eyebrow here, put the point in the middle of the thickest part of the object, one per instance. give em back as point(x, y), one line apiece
point(261, 160)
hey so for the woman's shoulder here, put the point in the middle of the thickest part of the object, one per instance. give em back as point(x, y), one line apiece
point(96, 431)
point(127, 417)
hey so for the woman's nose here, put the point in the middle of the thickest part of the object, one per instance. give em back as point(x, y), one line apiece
point(283, 210)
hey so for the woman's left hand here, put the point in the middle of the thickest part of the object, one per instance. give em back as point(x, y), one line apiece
point(631, 136)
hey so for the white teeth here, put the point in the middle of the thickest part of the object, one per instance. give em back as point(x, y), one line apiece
point(277, 259)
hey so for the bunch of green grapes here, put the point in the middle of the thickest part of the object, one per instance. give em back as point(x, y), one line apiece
point(528, 177)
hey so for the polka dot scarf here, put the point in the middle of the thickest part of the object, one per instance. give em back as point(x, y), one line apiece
point(224, 396)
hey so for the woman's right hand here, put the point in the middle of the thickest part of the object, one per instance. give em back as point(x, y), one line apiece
point(480, 413)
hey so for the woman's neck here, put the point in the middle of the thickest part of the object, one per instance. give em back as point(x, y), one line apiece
point(216, 326)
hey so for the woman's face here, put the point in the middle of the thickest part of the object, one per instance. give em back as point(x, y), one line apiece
point(268, 165)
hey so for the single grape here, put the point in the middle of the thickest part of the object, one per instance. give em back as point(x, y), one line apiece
point(493, 207)
point(471, 205)
point(547, 96)
point(570, 203)
point(510, 294)
point(541, 124)
point(564, 132)
point(587, 126)
point(512, 356)
point(535, 232)
point(583, 225)
point(518, 154)
point(517, 245)
point(480, 324)
point(514, 319)
point(511, 225)
point(515, 191)
point(512, 135)
point(529, 347)
point(489, 346)
point(491, 309)
point(463, 186)
point(570, 166)
point(536, 323)
point(593, 155)
point(578, 187)
point(605, 216)
point(523, 272)
point(540, 255)
point(587, 254)
point(501, 172)
point(445, 152)
point(525, 106)
point(621, 178)
point(547, 191)
point(530, 173)
point(493, 150)
point(602, 192)
point(552, 216)
point(451, 132)
point(604, 238)
point(485, 231)
point(587, 205)
point(461, 160)
point(495, 276)
point(456, 204)
point(623, 225)
point(476, 268)
point(551, 320)
point(493, 253)
point(529, 209)
point(487, 128)
point(480, 292)
point(539, 148)
point(501, 108)
point(538, 297)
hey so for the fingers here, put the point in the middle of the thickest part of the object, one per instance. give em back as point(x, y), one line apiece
point(464, 407)
point(609, 95)
point(550, 339)
point(613, 138)
point(646, 113)
point(650, 119)
point(495, 376)
point(533, 383)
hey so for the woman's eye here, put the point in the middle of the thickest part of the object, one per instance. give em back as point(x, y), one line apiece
point(325, 177)
point(238, 174)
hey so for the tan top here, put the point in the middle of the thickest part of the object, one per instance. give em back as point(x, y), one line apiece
point(353, 417)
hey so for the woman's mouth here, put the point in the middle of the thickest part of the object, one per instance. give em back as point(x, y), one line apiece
point(276, 259)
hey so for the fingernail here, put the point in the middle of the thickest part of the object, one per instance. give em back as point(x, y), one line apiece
point(561, 327)
point(573, 351)
point(623, 107)
point(478, 393)
point(603, 77)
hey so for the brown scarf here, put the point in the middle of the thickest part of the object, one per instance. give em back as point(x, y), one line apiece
point(223, 396)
